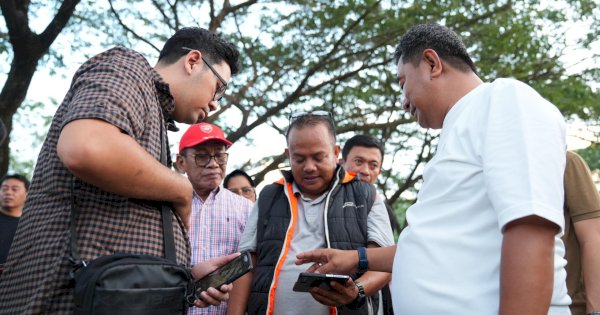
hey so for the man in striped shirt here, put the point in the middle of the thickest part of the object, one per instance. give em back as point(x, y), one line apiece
point(218, 215)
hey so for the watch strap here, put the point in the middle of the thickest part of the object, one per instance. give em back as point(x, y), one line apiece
point(361, 298)
point(363, 262)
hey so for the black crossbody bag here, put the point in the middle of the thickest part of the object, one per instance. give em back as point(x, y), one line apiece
point(131, 284)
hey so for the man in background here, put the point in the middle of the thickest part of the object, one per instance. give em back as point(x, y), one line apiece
point(363, 155)
point(13, 193)
point(218, 215)
point(241, 183)
point(582, 236)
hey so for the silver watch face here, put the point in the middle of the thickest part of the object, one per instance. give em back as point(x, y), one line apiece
point(361, 289)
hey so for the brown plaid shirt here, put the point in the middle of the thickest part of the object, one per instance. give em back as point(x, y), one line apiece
point(120, 87)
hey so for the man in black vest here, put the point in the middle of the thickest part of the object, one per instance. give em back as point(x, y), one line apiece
point(316, 205)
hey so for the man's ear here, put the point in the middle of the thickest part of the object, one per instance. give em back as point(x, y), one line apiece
point(337, 151)
point(287, 153)
point(193, 59)
point(179, 164)
point(434, 61)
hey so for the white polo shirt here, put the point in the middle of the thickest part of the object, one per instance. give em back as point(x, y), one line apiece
point(501, 157)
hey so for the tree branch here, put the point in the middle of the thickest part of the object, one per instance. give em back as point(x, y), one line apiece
point(129, 30)
point(58, 23)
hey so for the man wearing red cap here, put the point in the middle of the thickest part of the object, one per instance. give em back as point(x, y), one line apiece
point(218, 215)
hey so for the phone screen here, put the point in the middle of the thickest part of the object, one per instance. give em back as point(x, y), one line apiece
point(226, 274)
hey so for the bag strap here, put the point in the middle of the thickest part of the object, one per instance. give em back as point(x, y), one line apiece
point(75, 258)
point(167, 218)
point(166, 214)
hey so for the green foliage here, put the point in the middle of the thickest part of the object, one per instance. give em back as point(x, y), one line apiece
point(591, 155)
point(304, 55)
point(29, 131)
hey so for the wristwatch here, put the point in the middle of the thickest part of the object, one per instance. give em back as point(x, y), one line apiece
point(594, 313)
point(360, 298)
point(363, 263)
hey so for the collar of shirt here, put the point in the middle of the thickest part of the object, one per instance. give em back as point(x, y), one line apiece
point(315, 201)
point(213, 194)
point(165, 99)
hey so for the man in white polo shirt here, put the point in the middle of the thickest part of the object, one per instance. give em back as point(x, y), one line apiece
point(484, 235)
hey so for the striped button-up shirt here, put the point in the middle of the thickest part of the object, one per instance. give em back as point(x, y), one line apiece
point(216, 227)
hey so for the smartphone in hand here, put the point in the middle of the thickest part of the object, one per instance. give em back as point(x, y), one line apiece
point(226, 274)
point(307, 280)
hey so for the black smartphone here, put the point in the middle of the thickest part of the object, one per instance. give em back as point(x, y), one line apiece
point(307, 280)
point(226, 274)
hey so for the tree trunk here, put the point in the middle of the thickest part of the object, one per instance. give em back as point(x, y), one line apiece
point(12, 96)
point(28, 48)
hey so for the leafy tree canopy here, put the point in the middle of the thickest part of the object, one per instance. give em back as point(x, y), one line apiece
point(336, 55)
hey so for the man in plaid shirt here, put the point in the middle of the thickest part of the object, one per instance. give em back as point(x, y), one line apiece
point(104, 148)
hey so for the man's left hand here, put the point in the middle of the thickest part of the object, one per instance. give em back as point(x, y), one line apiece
point(212, 296)
point(340, 294)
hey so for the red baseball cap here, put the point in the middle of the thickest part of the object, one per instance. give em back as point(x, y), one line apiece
point(200, 133)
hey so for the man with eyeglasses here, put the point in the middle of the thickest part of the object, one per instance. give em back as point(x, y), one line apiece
point(104, 148)
point(315, 205)
point(218, 215)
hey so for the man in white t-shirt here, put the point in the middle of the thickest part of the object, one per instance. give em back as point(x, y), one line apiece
point(484, 235)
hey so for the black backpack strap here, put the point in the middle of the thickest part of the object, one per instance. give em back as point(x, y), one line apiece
point(166, 212)
point(168, 238)
point(75, 259)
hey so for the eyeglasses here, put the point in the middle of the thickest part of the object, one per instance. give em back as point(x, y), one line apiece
point(202, 160)
point(243, 191)
point(220, 88)
point(294, 116)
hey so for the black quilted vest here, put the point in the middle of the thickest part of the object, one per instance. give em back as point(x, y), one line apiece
point(349, 204)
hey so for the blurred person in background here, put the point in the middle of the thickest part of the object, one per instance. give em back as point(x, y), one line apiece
point(12, 199)
point(240, 183)
point(582, 236)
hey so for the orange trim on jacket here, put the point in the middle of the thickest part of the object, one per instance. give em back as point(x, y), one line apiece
point(286, 245)
point(288, 240)
point(348, 177)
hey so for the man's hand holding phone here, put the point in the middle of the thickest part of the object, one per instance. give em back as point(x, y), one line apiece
point(339, 294)
point(327, 289)
point(219, 274)
point(212, 296)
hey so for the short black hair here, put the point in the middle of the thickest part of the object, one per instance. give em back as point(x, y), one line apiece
point(310, 120)
point(214, 48)
point(362, 141)
point(444, 41)
point(17, 177)
point(236, 173)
